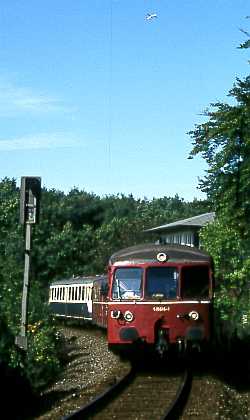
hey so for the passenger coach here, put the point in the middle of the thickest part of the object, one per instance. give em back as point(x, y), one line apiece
point(72, 298)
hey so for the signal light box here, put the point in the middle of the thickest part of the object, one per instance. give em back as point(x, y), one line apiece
point(30, 194)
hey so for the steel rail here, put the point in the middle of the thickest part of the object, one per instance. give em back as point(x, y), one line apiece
point(103, 399)
point(177, 406)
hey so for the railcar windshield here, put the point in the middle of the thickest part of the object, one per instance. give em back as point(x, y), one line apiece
point(161, 282)
point(127, 283)
point(195, 282)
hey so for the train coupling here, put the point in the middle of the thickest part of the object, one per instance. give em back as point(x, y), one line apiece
point(162, 345)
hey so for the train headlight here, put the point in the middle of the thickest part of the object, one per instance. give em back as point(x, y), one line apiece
point(128, 316)
point(194, 315)
point(162, 257)
point(115, 314)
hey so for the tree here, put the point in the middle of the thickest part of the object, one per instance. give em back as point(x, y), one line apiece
point(224, 142)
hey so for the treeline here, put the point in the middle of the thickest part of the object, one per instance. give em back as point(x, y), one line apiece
point(79, 231)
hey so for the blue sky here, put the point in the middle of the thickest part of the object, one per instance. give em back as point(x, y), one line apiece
point(94, 96)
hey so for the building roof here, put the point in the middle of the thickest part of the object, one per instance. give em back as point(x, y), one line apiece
point(196, 221)
point(148, 252)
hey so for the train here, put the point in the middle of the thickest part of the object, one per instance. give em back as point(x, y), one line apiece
point(154, 296)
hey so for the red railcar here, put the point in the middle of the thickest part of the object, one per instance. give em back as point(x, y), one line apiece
point(159, 295)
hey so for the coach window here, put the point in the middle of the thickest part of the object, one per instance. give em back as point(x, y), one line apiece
point(89, 293)
point(195, 282)
point(127, 283)
point(161, 282)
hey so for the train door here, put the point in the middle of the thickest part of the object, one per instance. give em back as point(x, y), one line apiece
point(104, 305)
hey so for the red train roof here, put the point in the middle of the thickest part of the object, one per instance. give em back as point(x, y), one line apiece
point(149, 252)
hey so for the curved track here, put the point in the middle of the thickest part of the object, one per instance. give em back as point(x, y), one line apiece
point(101, 400)
point(140, 395)
point(178, 404)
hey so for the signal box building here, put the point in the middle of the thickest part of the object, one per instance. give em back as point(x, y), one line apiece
point(182, 232)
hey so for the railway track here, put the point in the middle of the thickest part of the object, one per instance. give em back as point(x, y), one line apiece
point(140, 395)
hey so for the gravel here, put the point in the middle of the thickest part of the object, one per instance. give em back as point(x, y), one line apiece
point(212, 399)
point(91, 368)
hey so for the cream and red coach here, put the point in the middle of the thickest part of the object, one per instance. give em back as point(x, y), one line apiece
point(159, 295)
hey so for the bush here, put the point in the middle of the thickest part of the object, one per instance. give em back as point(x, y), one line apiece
point(42, 361)
point(232, 273)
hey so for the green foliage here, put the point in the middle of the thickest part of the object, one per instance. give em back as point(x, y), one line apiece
point(11, 283)
point(224, 142)
point(232, 273)
point(65, 252)
point(117, 234)
point(42, 362)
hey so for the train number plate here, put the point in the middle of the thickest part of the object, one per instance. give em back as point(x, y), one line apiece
point(161, 308)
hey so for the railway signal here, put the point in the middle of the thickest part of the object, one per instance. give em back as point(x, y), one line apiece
point(30, 193)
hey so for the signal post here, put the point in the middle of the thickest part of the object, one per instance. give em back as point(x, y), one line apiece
point(30, 193)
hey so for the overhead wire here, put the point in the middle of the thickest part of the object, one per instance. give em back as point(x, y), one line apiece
point(110, 85)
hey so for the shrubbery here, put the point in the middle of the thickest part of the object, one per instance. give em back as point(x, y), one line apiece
point(232, 274)
point(42, 362)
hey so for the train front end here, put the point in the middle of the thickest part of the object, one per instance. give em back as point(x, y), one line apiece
point(160, 297)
